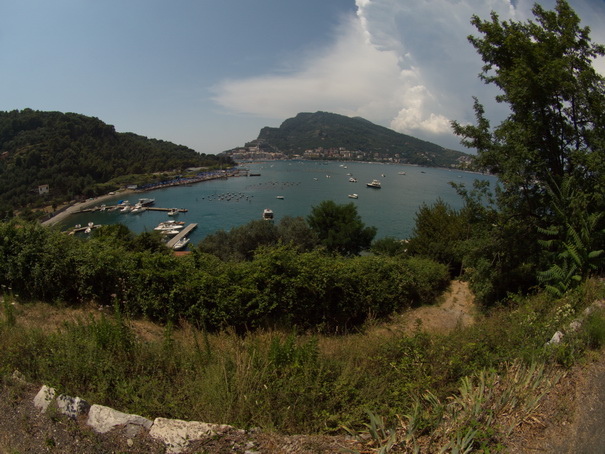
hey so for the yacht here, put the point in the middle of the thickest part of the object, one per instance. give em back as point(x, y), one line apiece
point(374, 184)
point(353, 196)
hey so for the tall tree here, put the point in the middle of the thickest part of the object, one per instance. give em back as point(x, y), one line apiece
point(556, 126)
point(554, 136)
point(340, 229)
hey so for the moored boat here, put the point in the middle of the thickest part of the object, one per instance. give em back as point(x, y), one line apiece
point(374, 184)
point(268, 214)
point(180, 244)
point(353, 196)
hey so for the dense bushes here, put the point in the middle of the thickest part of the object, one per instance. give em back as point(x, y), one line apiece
point(278, 286)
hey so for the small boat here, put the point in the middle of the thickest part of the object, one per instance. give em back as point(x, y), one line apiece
point(374, 184)
point(167, 226)
point(280, 197)
point(352, 180)
point(353, 196)
point(268, 214)
point(401, 173)
point(171, 232)
point(138, 208)
point(125, 209)
point(180, 244)
point(146, 201)
point(173, 212)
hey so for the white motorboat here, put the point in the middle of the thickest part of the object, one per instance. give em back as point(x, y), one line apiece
point(353, 180)
point(173, 212)
point(353, 196)
point(374, 184)
point(167, 226)
point(180, 244)
point(146, 201)
point(268, 214)
point(280, 197)
point(138, 208)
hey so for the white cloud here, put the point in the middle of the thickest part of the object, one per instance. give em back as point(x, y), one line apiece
point(403, 64)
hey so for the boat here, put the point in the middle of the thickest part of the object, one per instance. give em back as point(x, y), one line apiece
point(401, 173)
point(125, 209)
point(173, 212)
point(374, 184)
point(146, 201)
point(280, 197)
point(353, 196)
point(138, 208)
point(180, 244)
point(167, 226)
point(171, 232)
point(268, 214)
point(352, 180)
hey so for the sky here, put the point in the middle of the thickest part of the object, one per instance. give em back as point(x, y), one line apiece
point(209, 74)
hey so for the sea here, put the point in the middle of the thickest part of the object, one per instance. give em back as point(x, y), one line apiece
point(293, 188)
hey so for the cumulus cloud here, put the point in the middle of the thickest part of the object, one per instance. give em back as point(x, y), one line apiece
point(406, 65)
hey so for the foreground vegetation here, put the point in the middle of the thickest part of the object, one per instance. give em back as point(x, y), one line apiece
point(470, 388)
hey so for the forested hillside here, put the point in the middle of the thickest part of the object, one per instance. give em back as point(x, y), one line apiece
point(72, 153)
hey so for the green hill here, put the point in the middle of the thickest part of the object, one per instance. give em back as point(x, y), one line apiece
point(74, 154)
point(323, 130)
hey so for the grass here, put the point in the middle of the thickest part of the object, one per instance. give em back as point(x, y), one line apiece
point(465, 390)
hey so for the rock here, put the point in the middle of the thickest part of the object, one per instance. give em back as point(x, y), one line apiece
point(72, 406)
point(556, 338)
point(177, 434)
point(104, 419)
point(19, 377)
point(574, 326)
point(44, 397)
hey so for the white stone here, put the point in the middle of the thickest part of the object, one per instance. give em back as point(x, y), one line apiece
point(177, 434)
point(104, 419)
point(44, 397)
point(556, 338)
point(72, 406)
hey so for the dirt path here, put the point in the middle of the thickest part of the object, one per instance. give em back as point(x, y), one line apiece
point(456, 310)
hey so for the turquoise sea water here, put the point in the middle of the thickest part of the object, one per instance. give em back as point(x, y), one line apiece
point(227, 203)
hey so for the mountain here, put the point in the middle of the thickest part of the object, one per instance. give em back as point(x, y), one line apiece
point(73, 154)
point(330, 135)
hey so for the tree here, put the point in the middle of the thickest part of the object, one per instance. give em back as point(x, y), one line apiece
point(554, 135)
point(557, 105)
point(340, 229)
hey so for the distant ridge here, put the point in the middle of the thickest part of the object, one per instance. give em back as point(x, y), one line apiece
point(307, 133)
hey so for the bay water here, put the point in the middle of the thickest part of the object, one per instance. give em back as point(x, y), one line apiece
point(300, 185)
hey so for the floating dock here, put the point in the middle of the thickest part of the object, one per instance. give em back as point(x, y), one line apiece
point(183, 233)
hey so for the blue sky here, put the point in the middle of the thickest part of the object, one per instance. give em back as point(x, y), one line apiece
point(209, 74)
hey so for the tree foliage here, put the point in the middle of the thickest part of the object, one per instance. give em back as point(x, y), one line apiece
point(553, 136)
point(340, 229)
point(278, 286)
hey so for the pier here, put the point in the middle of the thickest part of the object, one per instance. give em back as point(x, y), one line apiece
point(183, 233)
point(116, 208)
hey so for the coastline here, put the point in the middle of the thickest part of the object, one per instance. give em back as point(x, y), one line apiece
point(76, 207)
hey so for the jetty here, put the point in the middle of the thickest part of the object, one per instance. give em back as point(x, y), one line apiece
point(183, 233)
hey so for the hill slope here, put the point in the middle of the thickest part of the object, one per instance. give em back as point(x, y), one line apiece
point(72, 153)
point(309, 131)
